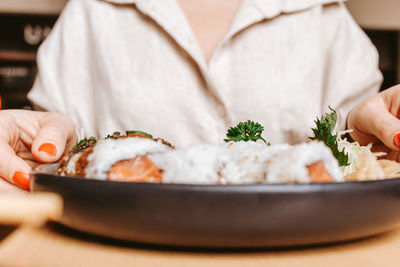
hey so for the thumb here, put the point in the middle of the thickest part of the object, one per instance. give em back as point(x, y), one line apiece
point(382, 113)
point(56, 132)
point(386, 127)
point(391, 135)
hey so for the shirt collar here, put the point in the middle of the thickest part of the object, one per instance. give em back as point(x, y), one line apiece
point(121, 1)
point(269, 8)
point(273, 8)
point(167, 14)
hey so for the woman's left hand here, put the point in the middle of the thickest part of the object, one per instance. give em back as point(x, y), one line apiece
point(376, 121)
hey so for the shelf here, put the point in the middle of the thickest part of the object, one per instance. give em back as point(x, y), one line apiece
point(38, 7)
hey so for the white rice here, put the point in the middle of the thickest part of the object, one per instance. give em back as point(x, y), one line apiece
point(71, 165)
point(109, 151)
point(290, 165)
point(245, 163)
point(198, 164)
point(232, 163)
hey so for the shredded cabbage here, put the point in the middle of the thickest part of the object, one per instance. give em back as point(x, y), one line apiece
point(353, 149)
point(363, 163)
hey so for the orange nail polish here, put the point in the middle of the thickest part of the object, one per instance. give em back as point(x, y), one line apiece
point(396, 140)
point(21, 179)
point(48, 148)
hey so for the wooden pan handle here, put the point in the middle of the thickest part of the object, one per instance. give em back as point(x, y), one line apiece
point(35, 208)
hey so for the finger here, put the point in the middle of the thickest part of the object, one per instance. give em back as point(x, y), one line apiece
point(56, 132)
point(359, 120)
point(379, 148)
point(363, 139)
point(25, 155)
point(393, 155)
point(386, 128)
point(33, 164)
point(373, 119)
point(12, 168)
point(6, 188)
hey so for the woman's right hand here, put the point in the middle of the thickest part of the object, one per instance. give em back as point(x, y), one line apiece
point(28, 138)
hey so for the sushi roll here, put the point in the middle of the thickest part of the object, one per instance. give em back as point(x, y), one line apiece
point(116, 158)
point(249, 163)
point(198, 164)
point(303, 163)
point(137, 157)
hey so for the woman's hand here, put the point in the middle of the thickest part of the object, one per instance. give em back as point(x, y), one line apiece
point(376, 121)
point(28, 138)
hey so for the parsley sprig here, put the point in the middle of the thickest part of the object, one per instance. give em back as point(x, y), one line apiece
point(245, 131)
point(84, 143)
point(113, 135)
point(324, 132)
point(128, 133)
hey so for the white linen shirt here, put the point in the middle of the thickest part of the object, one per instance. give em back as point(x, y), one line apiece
point(117, 65)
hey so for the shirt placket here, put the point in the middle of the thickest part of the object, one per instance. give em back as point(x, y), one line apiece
point(168, 15)
point(248, 14)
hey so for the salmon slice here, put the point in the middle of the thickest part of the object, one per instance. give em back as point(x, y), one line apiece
point(137, 135)
point(139, 169)
point(318, 173)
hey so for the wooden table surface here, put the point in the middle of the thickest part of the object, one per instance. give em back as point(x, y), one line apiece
point(53, 245)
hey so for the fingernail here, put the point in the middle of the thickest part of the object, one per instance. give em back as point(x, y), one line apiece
point(48, 148)
point(21, 179)
point(396, 140)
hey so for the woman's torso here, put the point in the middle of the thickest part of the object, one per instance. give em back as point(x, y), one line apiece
point(140, 67)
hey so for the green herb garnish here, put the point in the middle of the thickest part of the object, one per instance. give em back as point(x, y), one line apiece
point(139, 132)
point(114, 135)
point(245, 131)
point(84, 143)
point(324, 133)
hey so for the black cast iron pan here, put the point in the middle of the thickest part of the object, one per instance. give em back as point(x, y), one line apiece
point(229, 216)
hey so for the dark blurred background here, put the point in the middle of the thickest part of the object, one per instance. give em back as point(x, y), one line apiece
point(24, 24)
